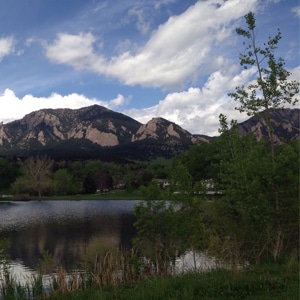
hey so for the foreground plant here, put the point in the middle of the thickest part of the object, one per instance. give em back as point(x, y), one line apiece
point(272, 89)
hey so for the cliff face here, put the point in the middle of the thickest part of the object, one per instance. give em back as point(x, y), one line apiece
point(285, 123)
point(164, 131)
point(45, 127)
point(88, 128)
point(94, 130)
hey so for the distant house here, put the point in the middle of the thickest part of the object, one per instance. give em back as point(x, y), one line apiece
point(120, 185)
point(163, 183)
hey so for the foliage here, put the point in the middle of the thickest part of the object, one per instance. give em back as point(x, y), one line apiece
point(64, 183)
point(8, 174)
point(247, 213)
point(89, 184)
point(35, 179)
point(156, 238)
point(272, 88)
point(202, 161)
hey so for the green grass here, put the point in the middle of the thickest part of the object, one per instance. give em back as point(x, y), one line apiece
point(266, 282)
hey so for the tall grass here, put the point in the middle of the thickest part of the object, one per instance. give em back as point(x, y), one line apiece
point(269, 281)
point(118, 276)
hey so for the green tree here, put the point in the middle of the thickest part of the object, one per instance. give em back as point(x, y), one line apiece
point(182, 180)
point(64, 183)
point(156, 238)
point(271, 90)
point(8, 174)
point(244, 223)
point(244, 211)
point(202, 160)
point(152, 191)
point(37, 172)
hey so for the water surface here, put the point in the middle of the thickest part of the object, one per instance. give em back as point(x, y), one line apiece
point(65, 230)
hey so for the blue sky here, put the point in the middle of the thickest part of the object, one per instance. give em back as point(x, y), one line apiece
point(175, 59)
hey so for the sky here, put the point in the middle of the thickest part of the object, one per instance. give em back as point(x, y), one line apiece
point(175, 59)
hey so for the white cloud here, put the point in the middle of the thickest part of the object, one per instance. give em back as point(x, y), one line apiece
point(197, 110)
point(175, 53)
point(296, 10)
point(12, 107)
point(142, 25)
point(120, 100)
point(295, 73)
point(194, 43)
point(74, 50)
point(6, 46)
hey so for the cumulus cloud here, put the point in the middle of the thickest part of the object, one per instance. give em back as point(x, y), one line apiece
point(194, 109)
point(6, 46)
point(174, 54)
point(74, 50)
point(12, 107)
point(186, 46)
point(117, 102)
point(197, 110)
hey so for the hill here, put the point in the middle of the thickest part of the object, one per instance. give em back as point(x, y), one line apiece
point(97, 132)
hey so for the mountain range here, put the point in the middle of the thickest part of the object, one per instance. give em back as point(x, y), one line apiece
point(97, 132)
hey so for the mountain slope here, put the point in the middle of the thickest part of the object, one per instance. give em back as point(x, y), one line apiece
point(48, 126)
point(90, 131)
point(285, 123)
point(97, 132)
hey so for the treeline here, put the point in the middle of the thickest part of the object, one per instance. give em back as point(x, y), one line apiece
point(41, 176)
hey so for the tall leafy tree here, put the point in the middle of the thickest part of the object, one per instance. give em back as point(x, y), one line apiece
point(245, 212)
point(37, 171)
point(271, 90)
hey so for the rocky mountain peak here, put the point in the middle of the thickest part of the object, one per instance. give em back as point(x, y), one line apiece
point(96, 130)
point(162, 129)
point(285, 123)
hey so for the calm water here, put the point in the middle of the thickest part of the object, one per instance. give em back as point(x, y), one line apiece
point(67, 230)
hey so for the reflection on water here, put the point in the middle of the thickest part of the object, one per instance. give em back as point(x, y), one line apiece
point(64, 230)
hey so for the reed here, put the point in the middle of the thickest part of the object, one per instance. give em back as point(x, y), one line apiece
point(115, 275)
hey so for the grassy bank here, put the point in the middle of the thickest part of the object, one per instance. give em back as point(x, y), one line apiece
point(268, 281)
point(265, 282)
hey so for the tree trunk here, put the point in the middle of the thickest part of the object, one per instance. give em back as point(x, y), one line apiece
point(278, 243)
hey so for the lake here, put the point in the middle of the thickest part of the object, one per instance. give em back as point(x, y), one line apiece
point(64, 231)
point(45, 235)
